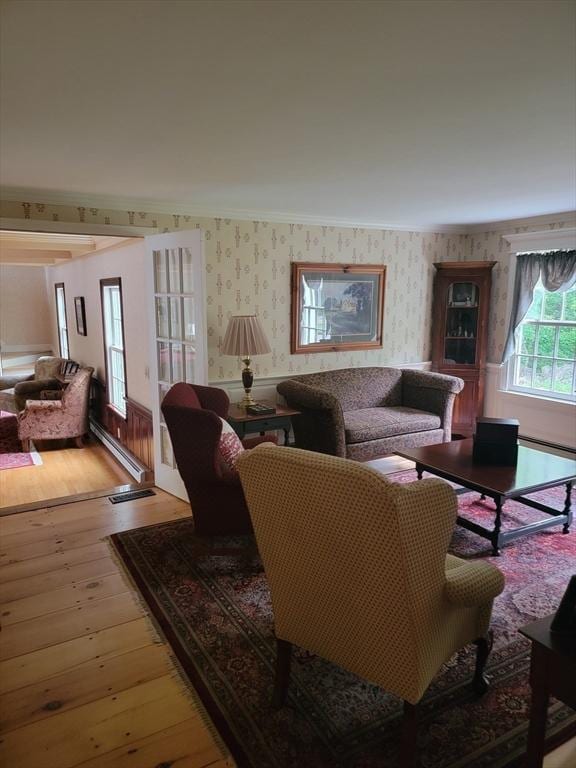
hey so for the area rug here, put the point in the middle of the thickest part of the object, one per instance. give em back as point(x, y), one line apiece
point(16, 460)
point(211, 600)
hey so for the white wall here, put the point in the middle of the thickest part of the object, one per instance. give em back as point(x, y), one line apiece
point(24, 310)
point(81, 277)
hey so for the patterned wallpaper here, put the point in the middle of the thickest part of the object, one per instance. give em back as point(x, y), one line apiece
point(491, 246)
point(248, 270)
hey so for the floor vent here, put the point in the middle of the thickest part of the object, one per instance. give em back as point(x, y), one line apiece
point(130, 496)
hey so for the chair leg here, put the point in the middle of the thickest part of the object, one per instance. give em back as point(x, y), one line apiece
point(408, 748)
point(283, 658)
point(484, 644)
point(79, 441)
point(25, 445)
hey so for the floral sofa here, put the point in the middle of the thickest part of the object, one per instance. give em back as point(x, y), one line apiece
point(362, 413)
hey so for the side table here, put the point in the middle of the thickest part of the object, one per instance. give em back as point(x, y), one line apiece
point(243, 422)
point(552, 673)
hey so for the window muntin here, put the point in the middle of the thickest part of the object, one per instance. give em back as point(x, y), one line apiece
point(544, 362)
point(114, 343)
point(61, 320)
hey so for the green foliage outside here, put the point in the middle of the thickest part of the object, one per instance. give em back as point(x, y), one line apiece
point(541, 343)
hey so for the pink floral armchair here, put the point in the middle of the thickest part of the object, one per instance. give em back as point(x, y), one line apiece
point(58, 419)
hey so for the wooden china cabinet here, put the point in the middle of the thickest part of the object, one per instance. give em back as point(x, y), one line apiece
point(460, 334)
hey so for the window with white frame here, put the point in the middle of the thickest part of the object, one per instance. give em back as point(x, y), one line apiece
point(61, 320)
point(544, 361)
point(111, 290)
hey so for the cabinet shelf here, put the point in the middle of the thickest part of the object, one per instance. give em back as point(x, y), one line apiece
point(461, 338)
point(462, 306)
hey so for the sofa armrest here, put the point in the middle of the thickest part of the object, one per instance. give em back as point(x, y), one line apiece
point(432, 392)
point(8, 382)
point(320, 425)
point(429, 380)
point(35, 385)
point(473, 583)
point(45, 406)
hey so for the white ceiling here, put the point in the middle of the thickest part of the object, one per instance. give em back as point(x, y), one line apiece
point(410, 112)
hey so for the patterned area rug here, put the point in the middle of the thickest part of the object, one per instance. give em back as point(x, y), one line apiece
point(212, 602)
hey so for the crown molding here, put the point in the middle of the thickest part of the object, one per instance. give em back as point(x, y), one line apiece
point(506, 225)
point(148, 205)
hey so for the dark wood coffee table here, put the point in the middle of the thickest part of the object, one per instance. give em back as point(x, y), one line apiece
point(535, 471)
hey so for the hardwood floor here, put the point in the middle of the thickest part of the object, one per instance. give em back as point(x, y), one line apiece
point(84, 678)
point(64, 472)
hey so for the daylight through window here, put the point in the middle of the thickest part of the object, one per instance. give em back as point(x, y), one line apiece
point(545, 359)
point(114, 343)
point(61, 320)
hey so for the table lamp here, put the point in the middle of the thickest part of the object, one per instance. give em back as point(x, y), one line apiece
point(244, 337)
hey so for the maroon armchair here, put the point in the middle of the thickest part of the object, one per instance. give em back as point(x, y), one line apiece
point(191, 413)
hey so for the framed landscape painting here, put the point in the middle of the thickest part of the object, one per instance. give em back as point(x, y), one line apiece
point(336, 307)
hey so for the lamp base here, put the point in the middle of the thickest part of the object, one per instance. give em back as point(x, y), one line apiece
point(247, 381)
point(246, 401)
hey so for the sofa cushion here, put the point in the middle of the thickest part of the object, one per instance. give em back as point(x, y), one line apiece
point(374, 423)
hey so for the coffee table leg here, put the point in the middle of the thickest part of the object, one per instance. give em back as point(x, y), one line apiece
point(419, 471)
point(568, 509)
point(495, 539)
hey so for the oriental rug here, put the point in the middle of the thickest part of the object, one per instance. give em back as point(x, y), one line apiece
point(211, 600)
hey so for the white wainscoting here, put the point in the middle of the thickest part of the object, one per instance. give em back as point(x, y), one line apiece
point(553, 421)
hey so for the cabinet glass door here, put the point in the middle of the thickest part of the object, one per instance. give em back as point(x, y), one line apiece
point(461, 327)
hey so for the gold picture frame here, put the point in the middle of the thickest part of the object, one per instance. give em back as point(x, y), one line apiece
point(336, 307)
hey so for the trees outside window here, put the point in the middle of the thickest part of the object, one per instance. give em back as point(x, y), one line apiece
point(545, 355)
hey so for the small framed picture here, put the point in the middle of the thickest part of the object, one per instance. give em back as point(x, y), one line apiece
point(80, 312)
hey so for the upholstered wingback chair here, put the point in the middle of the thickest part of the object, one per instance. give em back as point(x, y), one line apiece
point(15, 390)
point(359, 572)
point(194, 415)
point(58, 419)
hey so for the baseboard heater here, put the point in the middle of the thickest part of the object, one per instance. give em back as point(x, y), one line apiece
point(131, 496)
point(120, 452)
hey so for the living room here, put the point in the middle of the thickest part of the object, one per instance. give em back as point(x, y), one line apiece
point(279, 155)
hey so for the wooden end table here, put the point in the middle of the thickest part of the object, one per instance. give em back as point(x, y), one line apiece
point(244, 423)
point(534, 471)
point(552, 673)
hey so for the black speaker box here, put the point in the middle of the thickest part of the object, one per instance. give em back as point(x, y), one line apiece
point(496, 430)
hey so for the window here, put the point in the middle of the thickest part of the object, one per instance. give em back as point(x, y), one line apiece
point(544, 361)
point(111, 293)
point(61, 320)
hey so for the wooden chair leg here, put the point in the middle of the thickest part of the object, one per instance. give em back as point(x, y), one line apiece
point(408, 748)
point(283, 658)
point(79, 441)
point(484, 644)
point(25, 445)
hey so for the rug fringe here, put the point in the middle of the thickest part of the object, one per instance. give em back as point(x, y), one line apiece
point(177, 673)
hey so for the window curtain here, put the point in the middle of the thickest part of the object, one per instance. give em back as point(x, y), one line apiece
point(558, 272)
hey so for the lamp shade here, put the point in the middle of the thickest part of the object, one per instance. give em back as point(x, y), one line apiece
point(245, 337)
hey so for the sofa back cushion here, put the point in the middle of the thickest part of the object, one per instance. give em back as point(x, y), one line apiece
point(359, 387)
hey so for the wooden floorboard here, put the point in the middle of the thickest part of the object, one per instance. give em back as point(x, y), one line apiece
point(85, 679)
point(64, 471)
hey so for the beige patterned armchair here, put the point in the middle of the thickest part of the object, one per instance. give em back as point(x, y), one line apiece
point(359, 572)
point(15, 390)
point(58, 419)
